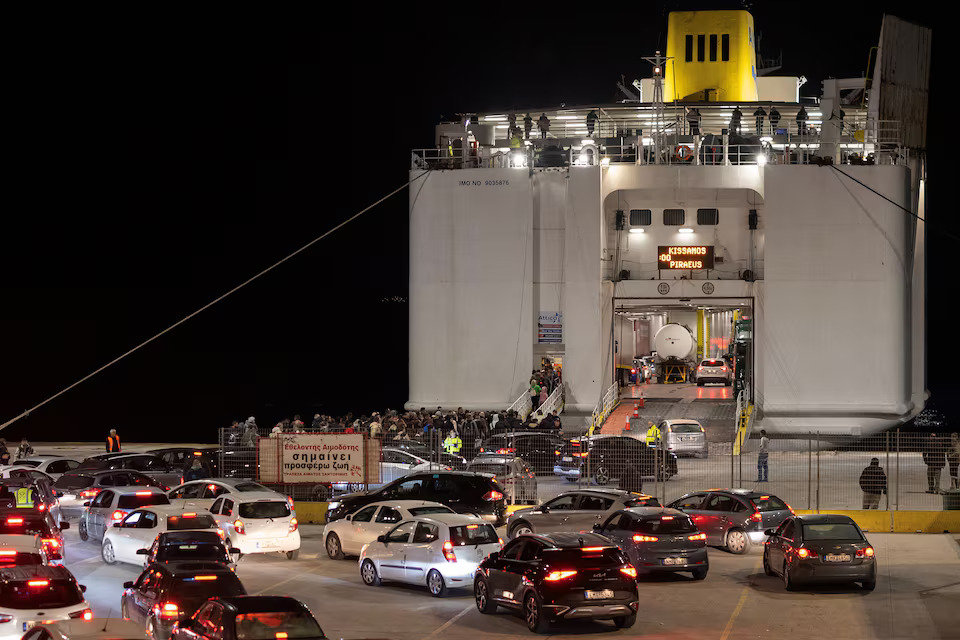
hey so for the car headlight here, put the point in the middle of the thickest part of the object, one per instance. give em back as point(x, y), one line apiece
point(333, 505)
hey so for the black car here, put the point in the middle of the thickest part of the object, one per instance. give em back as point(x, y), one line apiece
point(250, 617)
point(539, 450)
point(165, 594)
point(33, 522)
point(657, 540)
point(462, 491)
point(145, 463)
point(606, 458)
point(77, 487)
point(559, 576)
point(182, 458)
point(188, 546)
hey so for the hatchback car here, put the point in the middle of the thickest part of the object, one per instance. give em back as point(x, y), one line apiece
point(559, 576)
point(258, 523)
point(31, 595)
point(113, 505)
point(80, 629)
point(511, 473)
point(462, 491)
point(684, 437)
point(22, 550)
point(733, 518)
point(165, 594)
point(348, 535)
point(201, 494)
point(30, 522)
point(248, 618)
point(32, 492)
point(123, 539)
point(441, 551)
point(539, 450)
point(145, 463)
point(820, 548)
point(188, 546)
point(609, 457)
point(713, 370)
point(52, 465)
point(575, 511)
point(658, 540)
point(76, 487)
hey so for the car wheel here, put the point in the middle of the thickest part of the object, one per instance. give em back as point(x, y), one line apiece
point(533, 614)
point(601, 475)
point(436, 584)
point(293, 555)
point(787, 580)
point(334, 548)
point(82, 530)
point(522, 528)
point(368, 573)
point(625, 622)
point(481, 594)
point(766, 566)
point(737, 541)
point(107, 552)
point(700, 574)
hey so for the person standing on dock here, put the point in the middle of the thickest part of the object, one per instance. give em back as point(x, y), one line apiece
point(934, 458)
point(774, 120)
point(591, 122)
point(873, 482)
point(759, 114)
point(527, 127)
point(735, 118)
point(953, 459)
point(763, 470)
point(801, 121)
point(113, 442)
point(544, 124)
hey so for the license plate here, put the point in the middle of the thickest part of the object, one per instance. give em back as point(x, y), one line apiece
point(598, 595)
point(267, 544)
point(675, 561)
point(568, 458)
point(837, 557)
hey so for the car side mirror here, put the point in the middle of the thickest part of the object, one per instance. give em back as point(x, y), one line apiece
point(57, 493)
point(87, 503)
point(64, 525)
point(382, 539)
point(117, 525)
point(83, 588)
point(143, 552)
point(128, 584)
point(348, 518)
point(769, 532)
point(494, 555)
point(545, 509)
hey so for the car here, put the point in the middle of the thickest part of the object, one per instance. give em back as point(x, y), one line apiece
point(713, 370)
point(658, 540)
point(165, 594)
point(559, 576)
point(189, 546)
point(33, 492)
point(820, 548)
point(396, 463)
point(80, 629)
point(455, 462)
point(440, 551)
point(145, 463)
point(734, 519)
point(35, 594)
point(575, 511)
point(608, 458)
point(347, 536)
point(684, 437)
point(182, 457)
point(512, 473)
point(52, 465)
point(31, 522)
point(22, 550)
point(538, 449)
point(462, 491)
point(201, 494)
point(259, 522)
point(250, 617)
point(76, 487)
point(113, 505)
point(140, 528)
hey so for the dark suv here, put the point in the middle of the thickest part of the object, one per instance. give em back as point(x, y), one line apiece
point(734, 518)
point(559, 576)
point(462, 491)
point(539, 450)
point(608, 458)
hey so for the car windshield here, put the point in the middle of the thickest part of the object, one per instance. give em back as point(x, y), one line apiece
point(769, 503)
point(473, 534)
point(423, 511)
point(191, 552)
point(269, 625)
point(136, 501)
point(832, 531)
point(264, 509)
point(42, 594)
point(200, 521)
point(608, 557)
point(28, 463)
point(203, 586)
point(686, 428)
point(496, 469)
point(244, 487)
point(70, 481)
point(665, 524)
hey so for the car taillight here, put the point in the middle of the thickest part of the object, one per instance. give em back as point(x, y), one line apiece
point(491, 496)
point(803, 552)
point(700, 368)
point(756, 517)
point(38, 583)
point(556, 453)
point(169, 610)
point(7, 553)
point(118, 515)
point(553, 576)
point(792, 512)
point(86, 614)
point(41, 506)
point(181, 479)
point(629, 570)
point(500, 540)
point(448, 553)
point(221, 533)
point(5, 618)
point(293, 525)
point(866, 552)
point(53, 543)
point(290, 502)
point(14, 520)
point(697, 536)
point(142, 493)
point(723, 369)
point(639, 538)
point(506, 450)
point(238, 527)
point(89, 493)
point(280, 635)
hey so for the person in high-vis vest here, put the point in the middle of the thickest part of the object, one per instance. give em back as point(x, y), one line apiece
point(653, 434)
point(24, 497)
point(113, 442)
point(453, 443)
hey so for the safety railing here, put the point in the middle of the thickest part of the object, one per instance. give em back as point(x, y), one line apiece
point(554, 402)
point(604, 406)
point(522, 405)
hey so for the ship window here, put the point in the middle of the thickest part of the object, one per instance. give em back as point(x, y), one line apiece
point(713, 47)
point(689, 46)
point(641, 217)
point(708, 216)
point(673, 217)
point(701, 47)
point(725, 47)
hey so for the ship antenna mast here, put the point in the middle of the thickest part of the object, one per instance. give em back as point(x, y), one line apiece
point(659, 108)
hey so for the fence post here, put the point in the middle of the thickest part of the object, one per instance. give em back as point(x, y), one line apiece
point(818, 472)
point(809, 471)
point(896, 502)
point(732, 446)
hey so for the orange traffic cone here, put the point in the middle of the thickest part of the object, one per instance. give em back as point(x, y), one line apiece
point(636, 410)
point(627, 427)
point(641, 403)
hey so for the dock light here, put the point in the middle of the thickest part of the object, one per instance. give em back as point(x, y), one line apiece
point(766, 138)
point(605, 162)
point(685, 230)
point(761, 159)
point(637, 230)
point(518, 160)
point(586, 141)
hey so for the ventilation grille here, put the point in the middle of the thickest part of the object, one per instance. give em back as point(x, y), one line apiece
point(673, 217)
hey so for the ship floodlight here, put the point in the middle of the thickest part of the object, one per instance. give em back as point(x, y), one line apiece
point(637, 230)
point(518, 159)
point(761, 159)
point(685, 230)
point(605, 162)
point(586, 141)
point(647, 141)
point(527, 143)
point(766, 139)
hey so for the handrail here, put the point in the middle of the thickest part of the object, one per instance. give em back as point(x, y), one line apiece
point(553, 401)
point(522, 405)
point(604, 406)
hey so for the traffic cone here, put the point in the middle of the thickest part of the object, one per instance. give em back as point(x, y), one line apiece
point(636, 410)
point(641, 403)
point(627, 427)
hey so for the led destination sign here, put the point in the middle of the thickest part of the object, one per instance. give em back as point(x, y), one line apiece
point(677, 257)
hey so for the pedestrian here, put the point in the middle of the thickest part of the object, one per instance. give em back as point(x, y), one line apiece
point(113, 442)
point(250, 432)
point(774, 120)
point(534, 393)
point(527, 126)
point(4, 453)
point(735, 118)
point(375, 426)
point(544, 124)
point(873, 482)
point(693, 120)
point(759, 114)
point(632, 478)
point(24, 450)
point(453, 443)
point(297, 423)
point(196, 471)
point(934, 457)
point(653, 434)
point(543, 396)
point(762, 455)
point(512, 122)
point(277, 429)
point(953, 459)
point(317, 425)
point(591, 122)
point(801, 121)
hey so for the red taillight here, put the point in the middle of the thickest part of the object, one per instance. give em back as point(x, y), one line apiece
point(7, 553)
point(89, 493)
point(86, 614)
point(553, 576)
point(188, 515)
point(633, 370)
point(5, 618)
point(791, 509)
point(38, 583)
point(723, 369)
point(41, 506)
point(506, 450)
point(14, 520)
point(500, 540)
point(639, 538)
point(53, 543)
point(806, 553)
point(143, 493)
point(756, 517)
point(866, 552)
point(204, 578)
point(591, 549)
point(697, 536)
point(700, 368)
point(666, 517)
point(169, 610)
point(118, 515)
point(556, 452)
point(280, 635)
point(290, 502)
point(238, 527)
point(629, 570)
point(448, 551)
point(293, 525)
point(493, 495)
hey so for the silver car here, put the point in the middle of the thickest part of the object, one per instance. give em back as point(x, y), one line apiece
point(734, 519)
point(575, 511)
point(685, 437)
point(511, 473)
point(714, 370)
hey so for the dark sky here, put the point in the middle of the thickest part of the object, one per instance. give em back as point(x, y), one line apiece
point(151, 173)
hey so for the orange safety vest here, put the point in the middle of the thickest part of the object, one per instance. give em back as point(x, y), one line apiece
point(113, 444)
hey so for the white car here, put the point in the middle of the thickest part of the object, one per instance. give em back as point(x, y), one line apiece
point(52, 465)
point(22, 550)
point(396, 463)
point(714, 370)
point(113, 505)
point(100, 629)
point(200, 494)
point(259, 522)
point(32, 595)
point(440, 551)
point(348, 535)
point(139, 529)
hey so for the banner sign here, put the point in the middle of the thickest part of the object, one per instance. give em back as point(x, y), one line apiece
point(317, 458)
point(550, 327)
point(676, 257)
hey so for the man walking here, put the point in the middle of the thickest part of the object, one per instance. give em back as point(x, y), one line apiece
point(762, 455)
point(653, 434)
point(934, 458)
point(873, 482)
point(113, 442)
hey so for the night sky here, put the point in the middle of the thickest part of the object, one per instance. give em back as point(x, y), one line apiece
point(153, 172)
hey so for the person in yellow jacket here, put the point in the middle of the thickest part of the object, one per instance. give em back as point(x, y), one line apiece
point(453, 443)
point(653, 434)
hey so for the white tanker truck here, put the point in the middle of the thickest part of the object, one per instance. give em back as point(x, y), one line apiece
point(676, 353)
